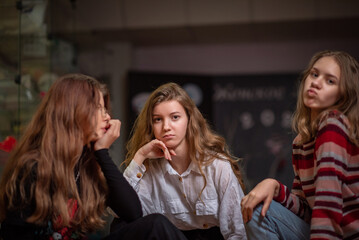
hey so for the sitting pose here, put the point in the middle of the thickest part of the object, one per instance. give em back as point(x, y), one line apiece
point(182, 169)
point(60, 178)
point(324, 200)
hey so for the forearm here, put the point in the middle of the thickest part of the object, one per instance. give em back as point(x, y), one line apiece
point(122, 199)
point(139, 158)
point(294, 201)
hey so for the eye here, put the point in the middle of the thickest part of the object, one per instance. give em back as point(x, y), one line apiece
point(176, 117)
point(330, 81)
point(314, 74)
point(156, 120)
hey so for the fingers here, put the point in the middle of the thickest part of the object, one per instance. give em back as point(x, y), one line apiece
point(114, 127)
point(243, 209)
point(247, 209)
point(154, 149)
point(112, 133)
point(263, 192)
point(265, 206)
point(165, 152)
point(249, 202)
point(172, 152)
point(248, 205)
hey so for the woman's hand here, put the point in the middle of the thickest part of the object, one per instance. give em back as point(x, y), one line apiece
point(112, 133)
point(153, 149)
point(263, 192)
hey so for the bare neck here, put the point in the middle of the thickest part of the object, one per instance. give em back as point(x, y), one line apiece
point(181, 161)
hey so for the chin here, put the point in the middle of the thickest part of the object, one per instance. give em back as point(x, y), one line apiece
point(96, 137)
point(172, 146)
point(99, 135)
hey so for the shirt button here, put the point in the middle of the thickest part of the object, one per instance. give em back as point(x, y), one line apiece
point(184, 195)
point(180, 178)
point(139, 175)
point(205, 225)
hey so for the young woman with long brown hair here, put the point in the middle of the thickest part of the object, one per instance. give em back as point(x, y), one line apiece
point(324, 200)
point(183, 169)
point(60, 178)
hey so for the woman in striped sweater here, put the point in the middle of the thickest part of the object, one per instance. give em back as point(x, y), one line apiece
point(325, 191)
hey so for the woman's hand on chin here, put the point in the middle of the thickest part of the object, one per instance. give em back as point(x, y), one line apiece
point(153, 149)
point(112, 133)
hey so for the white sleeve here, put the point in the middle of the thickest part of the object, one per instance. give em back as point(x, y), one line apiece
point(230, 196)
point(141, 181)
point(134, 173)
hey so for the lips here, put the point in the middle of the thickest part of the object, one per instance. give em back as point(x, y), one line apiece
point(105, 128)
point(311, 92)
point(168, 136)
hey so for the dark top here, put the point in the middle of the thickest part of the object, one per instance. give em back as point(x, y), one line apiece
point(122, 199)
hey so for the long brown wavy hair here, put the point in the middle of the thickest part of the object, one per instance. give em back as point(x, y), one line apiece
point(204, 144)
point(348, 102)
point(53, 149)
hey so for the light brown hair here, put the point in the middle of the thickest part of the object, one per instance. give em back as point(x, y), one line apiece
point(204, 144)
point(56, 144)
point(347, 103)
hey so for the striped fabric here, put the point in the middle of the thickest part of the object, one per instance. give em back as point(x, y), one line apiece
point(325, 189)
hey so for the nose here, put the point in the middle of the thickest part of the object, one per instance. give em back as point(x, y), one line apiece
point(317, 83)
point(107, 117)
point(166, 125)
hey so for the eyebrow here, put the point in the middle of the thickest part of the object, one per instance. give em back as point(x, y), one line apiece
point(175, 112)
point(326, 74)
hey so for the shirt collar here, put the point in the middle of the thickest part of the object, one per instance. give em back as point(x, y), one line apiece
point(167, 168)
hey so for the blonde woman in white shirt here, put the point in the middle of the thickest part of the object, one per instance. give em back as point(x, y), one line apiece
point(183, 170)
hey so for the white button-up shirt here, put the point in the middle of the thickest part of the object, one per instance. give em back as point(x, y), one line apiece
point(162, 190)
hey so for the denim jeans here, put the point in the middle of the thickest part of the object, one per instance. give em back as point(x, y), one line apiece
point(279, 223)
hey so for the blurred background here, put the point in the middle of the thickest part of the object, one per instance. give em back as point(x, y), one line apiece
point(239, 60)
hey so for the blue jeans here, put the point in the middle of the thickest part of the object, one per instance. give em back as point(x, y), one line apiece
point(279, 223)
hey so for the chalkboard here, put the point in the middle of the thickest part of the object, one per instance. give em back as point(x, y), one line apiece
point(254, 114)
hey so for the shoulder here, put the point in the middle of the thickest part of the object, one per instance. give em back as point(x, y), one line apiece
point(219, 165)
point(297, 140)
point(335, 119)
point(333, 127)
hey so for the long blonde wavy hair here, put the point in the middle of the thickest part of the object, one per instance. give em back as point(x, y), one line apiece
point(53, 149)
point(204, 144)
point(348, 102)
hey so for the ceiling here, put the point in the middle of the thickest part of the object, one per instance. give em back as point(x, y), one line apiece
point(89, 25)
point(219, 34)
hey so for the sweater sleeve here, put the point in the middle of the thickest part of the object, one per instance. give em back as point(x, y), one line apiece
point(122, 199)
point(295, 199)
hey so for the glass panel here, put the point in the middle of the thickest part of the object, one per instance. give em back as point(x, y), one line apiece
point(26, 71)
point(9, 63)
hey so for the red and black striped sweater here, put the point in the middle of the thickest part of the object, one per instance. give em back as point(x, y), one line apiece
point(325, 189)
